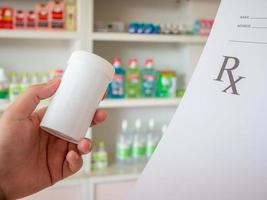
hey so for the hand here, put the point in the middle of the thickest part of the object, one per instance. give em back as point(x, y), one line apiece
point(30, 158)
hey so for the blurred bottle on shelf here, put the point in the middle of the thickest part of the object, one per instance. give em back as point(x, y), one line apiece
point(100, 157)
point(124, 145)
point(24, 84)
point(3, 85)
point(34, 78)
point(164, 129)
point(139, 143)
point(133, 80)
point(70, 15)
point(14, 89)
point(149, 76)
point(116, 87)
point(152, 139)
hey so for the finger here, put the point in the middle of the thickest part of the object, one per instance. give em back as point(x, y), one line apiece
point(41, 112)
point(26, 104)
point(85, 146)
point(99, 117)
point(72, 164)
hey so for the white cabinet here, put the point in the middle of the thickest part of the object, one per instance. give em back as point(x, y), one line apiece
point(74, 188)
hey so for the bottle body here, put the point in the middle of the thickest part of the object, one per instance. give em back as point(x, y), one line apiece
point(139, 145)
point(14, 89)
point(3, 85)
point(149, 77)
point(133, 81)
point(100, 157)
point(75, 102)
point(116, 88)
point(124, 149)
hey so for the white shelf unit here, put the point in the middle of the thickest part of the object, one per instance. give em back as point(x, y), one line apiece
point(119, 103)
point(171, 52)
point(40, 51)
point(127, 37)
point(139, 103)
point(32, 34)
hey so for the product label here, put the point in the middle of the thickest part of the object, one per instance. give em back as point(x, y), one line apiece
point(134, 79)
point(124, 151)
point(149, 84)
point(117, 85)
point(100, 160)
point(139, 150)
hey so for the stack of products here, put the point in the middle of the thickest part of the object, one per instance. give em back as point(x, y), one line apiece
point(14, 85)
point(146, 28)
point(147, 82)
point(200, 27)
point(55, 14)
point(137, 146)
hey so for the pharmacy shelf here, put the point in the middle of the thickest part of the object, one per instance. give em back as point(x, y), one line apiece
point(132, 103)
point(37, 34)
point(120, 103)
point(127, 37)
point(115, 172)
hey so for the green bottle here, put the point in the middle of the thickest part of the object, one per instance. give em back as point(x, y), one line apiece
point(14, 90)
point(133, 80)
point(24, 84)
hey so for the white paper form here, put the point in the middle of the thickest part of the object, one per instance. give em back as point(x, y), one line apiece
point(216, 144)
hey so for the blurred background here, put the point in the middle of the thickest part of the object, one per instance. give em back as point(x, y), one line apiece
point(154, 46)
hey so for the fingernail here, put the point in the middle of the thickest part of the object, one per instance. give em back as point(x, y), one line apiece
point(52, 81)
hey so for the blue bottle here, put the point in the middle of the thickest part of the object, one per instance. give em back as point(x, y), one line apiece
point(149, 77)
point(116, 87)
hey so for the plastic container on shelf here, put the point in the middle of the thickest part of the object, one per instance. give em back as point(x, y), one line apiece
point(152, 139)
point(100, 157)
point(133, 80)
point(124, 145)
point(116, 88)
point(24, 83)
point(14, 89)
point(139, 143)
point(3, 85)
point(70, 15)
point(149, 77)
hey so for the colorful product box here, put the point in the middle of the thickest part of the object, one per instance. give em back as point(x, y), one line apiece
point(20, 17)
point(31, 19)
point(1, 18)
point(166, 84)
point(56, 9)
point(6, 18)
point(42, 12)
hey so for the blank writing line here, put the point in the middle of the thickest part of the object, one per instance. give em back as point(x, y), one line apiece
point(248, 42)
point(258, 18)
point(259, 27)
